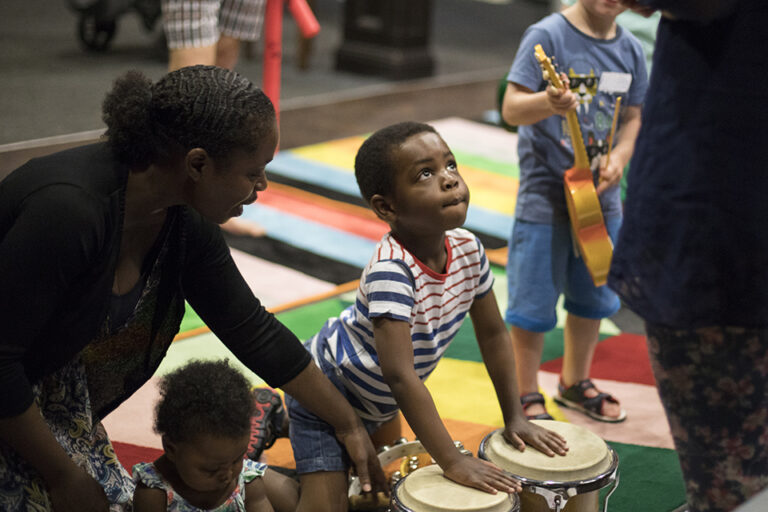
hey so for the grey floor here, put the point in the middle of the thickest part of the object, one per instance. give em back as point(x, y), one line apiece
point(50, 86)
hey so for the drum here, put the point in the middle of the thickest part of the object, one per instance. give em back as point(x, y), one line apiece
point(569, 483)
point(427, 490)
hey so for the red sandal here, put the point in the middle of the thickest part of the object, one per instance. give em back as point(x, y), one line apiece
point(267, 421)
point(575, 398)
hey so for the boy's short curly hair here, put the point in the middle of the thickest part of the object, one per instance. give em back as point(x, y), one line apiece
point(374, 166)
point(204, 398)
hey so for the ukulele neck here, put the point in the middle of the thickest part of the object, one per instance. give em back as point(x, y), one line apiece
point(580, 158)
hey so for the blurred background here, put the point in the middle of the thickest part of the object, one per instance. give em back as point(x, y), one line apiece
point(52, 83)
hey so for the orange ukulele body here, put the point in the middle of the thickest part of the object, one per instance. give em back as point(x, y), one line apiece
point(584, 210)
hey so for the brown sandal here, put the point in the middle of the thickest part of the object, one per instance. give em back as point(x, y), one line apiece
point(575, 398)
point(534, 398)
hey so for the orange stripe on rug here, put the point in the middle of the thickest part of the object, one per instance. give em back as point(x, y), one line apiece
point(338, 214)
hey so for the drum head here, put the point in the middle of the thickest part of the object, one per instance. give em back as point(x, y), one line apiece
point(588, 455)
point(427, 490)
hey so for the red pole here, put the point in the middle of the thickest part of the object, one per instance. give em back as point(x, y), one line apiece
point(273, 52)
point(305, 18)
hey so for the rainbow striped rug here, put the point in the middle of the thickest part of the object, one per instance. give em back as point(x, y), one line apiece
point(320, 235)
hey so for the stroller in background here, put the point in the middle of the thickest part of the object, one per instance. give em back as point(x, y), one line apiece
point(98, 19)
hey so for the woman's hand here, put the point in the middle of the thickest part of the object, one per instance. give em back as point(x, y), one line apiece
point(77, 491)
point(315, 392)
point(521, 431)
point(364, 459)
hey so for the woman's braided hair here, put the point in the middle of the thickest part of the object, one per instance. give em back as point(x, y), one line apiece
point(194, 107)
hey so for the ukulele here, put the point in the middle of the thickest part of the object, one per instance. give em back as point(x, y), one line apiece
point(584, 210)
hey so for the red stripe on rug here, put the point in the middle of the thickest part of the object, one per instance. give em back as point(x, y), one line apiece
point(622, 358)
point(129, 454)
point(349, 218)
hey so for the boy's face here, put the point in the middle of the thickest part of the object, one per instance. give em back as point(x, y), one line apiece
point(429, 194)
point(607, 8)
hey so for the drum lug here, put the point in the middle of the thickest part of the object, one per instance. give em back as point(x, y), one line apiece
point(615, 485)
point(556, 499)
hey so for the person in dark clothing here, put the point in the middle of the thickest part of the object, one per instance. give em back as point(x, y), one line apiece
point(100, 247)
point(690, 259)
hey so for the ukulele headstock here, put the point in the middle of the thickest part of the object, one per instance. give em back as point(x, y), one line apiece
point(548, 71)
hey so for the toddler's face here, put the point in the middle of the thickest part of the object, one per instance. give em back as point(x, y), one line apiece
point(429, 193)
point(210, 464)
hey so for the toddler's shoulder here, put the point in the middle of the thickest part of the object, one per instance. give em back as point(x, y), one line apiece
point(147, 474)
point(253, 470)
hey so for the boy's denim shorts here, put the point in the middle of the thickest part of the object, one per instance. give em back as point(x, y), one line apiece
point(315, 447)
point(542, 265)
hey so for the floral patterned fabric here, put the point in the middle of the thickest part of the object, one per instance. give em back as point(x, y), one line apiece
point(714, 386)
point(63, 400)
point(147, 474)
point(74, 399)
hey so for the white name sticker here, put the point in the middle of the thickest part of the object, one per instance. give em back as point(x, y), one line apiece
point(613, 82)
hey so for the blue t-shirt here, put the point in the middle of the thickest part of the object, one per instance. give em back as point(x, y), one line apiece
point(599, 70)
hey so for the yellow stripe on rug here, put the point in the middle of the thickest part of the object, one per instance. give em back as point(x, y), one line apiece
point(463, 391)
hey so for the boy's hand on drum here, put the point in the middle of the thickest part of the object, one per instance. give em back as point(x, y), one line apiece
point(520, 431)
point(480, 474)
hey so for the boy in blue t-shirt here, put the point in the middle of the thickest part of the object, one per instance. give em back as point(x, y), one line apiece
point(600, 61)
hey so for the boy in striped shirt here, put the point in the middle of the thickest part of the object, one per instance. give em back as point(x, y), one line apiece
point(423, 278)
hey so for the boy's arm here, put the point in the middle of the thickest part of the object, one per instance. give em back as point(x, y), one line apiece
point(393, 344)
point(522, 106)
point(622, 152)
point(496, 348)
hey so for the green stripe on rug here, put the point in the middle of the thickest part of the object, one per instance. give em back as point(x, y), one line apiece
point(307, 321)
point(304, 321)
point(190, 320)
point(487, 164)
point(464, 346)
point(653, 480)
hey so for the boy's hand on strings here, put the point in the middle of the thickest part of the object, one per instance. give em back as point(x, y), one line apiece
point(364, 459)
point(561, 100)
point(520, 431)
point(610, 175)
point(480, 474)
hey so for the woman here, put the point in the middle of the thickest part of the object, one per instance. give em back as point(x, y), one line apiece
point(99, 248)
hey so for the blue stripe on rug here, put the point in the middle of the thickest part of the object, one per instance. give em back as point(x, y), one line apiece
point(291, 166)
point(312, 236)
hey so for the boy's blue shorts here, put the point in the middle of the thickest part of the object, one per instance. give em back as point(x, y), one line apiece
point(315, 447)
point(541, 265)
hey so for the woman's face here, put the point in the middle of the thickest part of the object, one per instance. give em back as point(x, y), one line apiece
point(224, 188)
